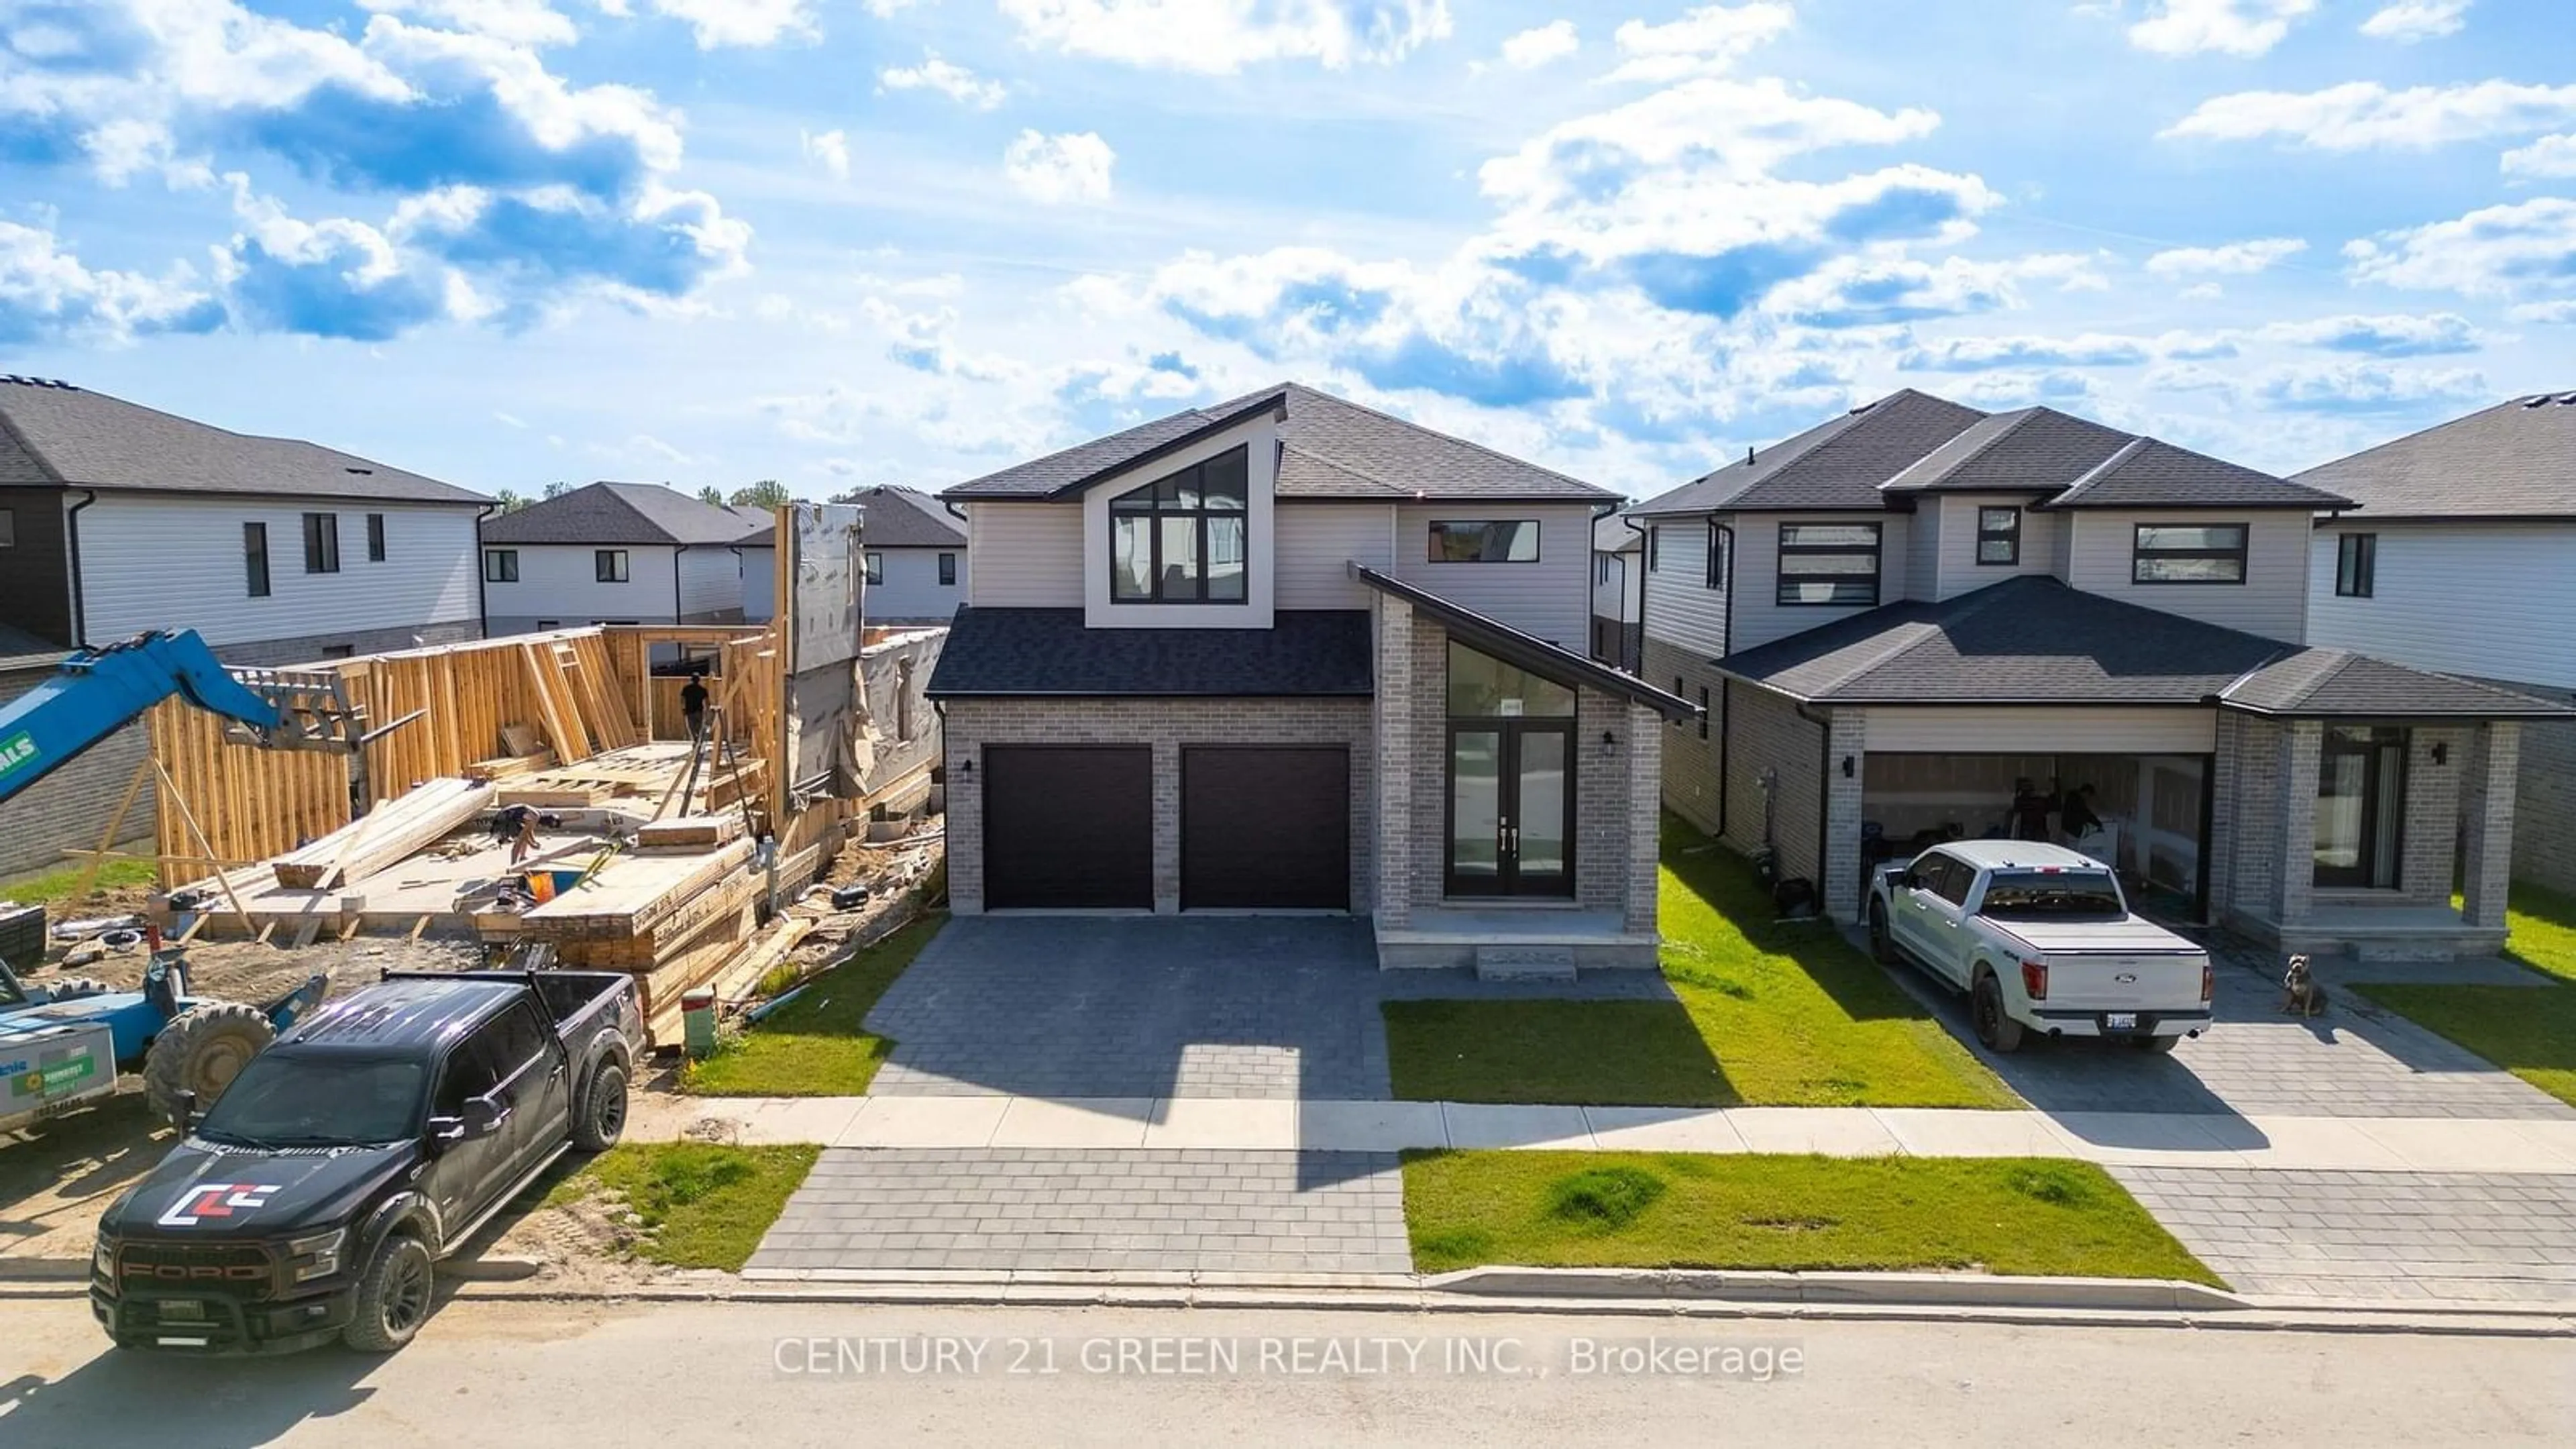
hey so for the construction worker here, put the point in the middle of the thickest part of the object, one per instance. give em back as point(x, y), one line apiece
point(693, 706)
point(517, 824)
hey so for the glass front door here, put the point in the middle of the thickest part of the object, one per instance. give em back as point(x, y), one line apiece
point(1511, 808)
point(2361, 793)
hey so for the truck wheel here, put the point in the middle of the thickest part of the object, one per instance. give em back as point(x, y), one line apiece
point(393, 1296)
point(202, 1052)
point(2160, 1045)
point(602, 1119)
point(1882, 945)
point(1999, 1032)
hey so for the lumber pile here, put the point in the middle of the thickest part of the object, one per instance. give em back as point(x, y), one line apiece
point(690, 832)
point(383, 837)
point(503, 767)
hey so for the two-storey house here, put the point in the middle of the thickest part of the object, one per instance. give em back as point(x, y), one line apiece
point(1289, 653)
point(626, 553)
point(1920, 621)
point(2463, 559)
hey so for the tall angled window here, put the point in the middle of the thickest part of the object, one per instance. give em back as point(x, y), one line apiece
point(1185, 538)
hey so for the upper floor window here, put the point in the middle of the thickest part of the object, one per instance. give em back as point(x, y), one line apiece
point(1654, 536)
point(1184, 539)
point(1717, 537)
point(2189, 553)
point(1829, 563)
point(255, 557)
point(321, 543)
point(875, 567)
point(1998, 536)
point(947, 570)
point(8, 528)
point(608, 565)
point(1601, 567)
point(1515, 541)
point(375, 538)
point(2356, 565)
point(500, 565)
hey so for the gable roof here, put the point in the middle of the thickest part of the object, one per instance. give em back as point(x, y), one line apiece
point(1329, 448)
point(52, 433)
point(1611, 534)
point(1886, 453)
point(898, 517)
point(2031, 640)
point(1020, 653)
point(1514, 646)
point(2514, 460)
point(628, 513)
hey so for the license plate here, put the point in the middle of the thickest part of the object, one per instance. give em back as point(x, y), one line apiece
point(2120, 1021)
point(186, 1309)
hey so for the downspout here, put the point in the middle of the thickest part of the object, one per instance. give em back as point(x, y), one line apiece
point(482, 581)
point(1725, 686)
point(677, 618)
point(739, 569)
point(79, 600)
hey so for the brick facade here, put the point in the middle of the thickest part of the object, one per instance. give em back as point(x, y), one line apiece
point(1846, 777)
point(1691, 764)
point(1771, 744)
point(2544, 832)
point(2494, 759)
point(1167, 725)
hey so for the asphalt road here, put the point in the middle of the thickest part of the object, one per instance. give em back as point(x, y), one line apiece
point(507, 1373)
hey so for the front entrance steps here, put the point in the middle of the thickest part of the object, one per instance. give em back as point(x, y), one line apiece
point(2389, 933)
point(1571, 940)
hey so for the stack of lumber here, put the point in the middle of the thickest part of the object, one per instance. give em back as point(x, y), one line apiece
point(383, 837)
point(691, 832)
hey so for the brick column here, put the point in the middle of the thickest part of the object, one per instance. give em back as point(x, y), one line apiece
point(2219, 870)
point(1839, 872)
point(2486, 805)
point(2302, 746)
point(1394, 742)
point(1645, 742)
point(2430, 832)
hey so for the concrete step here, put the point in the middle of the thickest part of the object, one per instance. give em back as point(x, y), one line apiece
point(1524, 963)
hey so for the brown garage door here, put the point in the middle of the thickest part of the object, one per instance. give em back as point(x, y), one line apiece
point(1068, 827)
point(1265, 827)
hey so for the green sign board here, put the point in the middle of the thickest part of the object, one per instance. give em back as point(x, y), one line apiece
point(19, 749)
point(51, 1079)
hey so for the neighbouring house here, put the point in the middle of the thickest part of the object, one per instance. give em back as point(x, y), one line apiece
point(915, 554)
point(1289, 653)
point(2463, 559)
point(1618, 591)
point(1899, 618)
point(625, 553)
point(116, 518)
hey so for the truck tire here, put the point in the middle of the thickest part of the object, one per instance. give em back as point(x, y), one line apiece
point(1882, 945)
point(394, 1295)
point(2000, 1033)
point(602, 1118)
point(202, 1052)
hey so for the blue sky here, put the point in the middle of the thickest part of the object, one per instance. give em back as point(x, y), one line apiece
point(844, 242)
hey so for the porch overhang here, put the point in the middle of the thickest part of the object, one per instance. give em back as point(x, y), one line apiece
point(1526, 650)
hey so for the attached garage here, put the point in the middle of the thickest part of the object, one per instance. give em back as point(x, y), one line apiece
point(1265, 827)
point(1068, 827)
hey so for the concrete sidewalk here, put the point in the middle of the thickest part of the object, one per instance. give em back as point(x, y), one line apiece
point(2116, 1139)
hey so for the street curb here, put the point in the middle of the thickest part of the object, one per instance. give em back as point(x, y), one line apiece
point(1917, 1290)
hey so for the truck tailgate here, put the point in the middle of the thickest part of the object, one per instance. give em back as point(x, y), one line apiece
point(2113, 981)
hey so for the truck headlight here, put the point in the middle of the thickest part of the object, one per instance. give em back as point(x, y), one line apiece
point(317, 1256)
point(102, 1260)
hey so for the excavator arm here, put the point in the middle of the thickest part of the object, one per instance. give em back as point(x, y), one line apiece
point(99, 691)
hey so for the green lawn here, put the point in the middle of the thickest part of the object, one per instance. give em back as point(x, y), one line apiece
point(1783, 1015)
point(55, 887)
point(704, 1205)
point(2022, 1216)
point(2529, 1031)
point(813, 1046)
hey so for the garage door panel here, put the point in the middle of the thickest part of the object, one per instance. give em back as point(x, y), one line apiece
point(1266, 827)
point(1068, 828)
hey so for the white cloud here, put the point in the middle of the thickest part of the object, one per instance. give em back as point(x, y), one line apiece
point(1219, 37)
point(829, 150)
point(720, 23)
point(2408, 21)
point(1539, 45)
point(2234, 27)
point(949, 79)
point(2546, 314)
point(2366, 387)
point(1055, 169)
point(46, 293)
point(2233, 259)
point(1705, 41)
point(2202, 292)
point(521, 22)
point(2400, 335)
point(2495, 251)
point(1978, 354)
point(2361, 114)
point(2548, 156)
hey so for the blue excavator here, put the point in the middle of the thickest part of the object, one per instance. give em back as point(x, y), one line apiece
point(64, 1043)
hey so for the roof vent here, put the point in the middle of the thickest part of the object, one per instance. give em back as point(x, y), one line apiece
point(2568, 401)
point(361, 472)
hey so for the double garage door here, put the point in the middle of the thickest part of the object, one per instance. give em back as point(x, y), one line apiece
point(1070, 827)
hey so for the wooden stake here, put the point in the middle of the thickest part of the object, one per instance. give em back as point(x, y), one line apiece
point(115, 823)
point(170, 794)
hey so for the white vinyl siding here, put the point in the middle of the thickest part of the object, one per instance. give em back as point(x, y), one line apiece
point(1027, 555)
point(1317, 541)
point(710, 585)
point(2272, 602)
point(1681, 609)
point(1759, 616)
point(560, 581)
point(157, 561)
point(911, 592)
point(2490, 600)
point(2009, 729)
point(759, 584)
point(1923, 548)
point(1618, 581)
point(1551, 598)
point(2042, 544)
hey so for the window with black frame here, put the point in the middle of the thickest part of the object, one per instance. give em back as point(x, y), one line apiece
point(1184, 538)
point(1829, 564)
point(2356, 565)
point(2189, 553)
point(1999, 536)
point(1507, 541)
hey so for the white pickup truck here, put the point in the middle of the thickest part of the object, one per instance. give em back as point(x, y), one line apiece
point(2042, 940)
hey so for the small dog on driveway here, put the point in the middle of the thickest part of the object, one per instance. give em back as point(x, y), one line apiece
point(2300, 991)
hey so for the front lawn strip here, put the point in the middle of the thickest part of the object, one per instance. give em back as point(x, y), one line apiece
point(1766, 1013)
point(2006, 1215)
point(703, 1204)
point(814, 1046)
point(2529, 1031)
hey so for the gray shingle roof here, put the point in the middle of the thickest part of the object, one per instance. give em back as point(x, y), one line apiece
point(903, 518)
point(2514, 460)
point(2032, 449)
point(1331, 448)
point(2148, 473)
point(628, 513)
point(1025, 652)
point(54, 433)
point(2032, 640)
point(1837, 464)
point(1611, 534)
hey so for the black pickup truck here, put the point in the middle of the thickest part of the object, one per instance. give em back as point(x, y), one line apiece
point(312, 1199)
